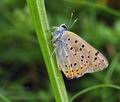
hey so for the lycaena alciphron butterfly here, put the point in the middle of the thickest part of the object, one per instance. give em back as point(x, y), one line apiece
point(74, 55)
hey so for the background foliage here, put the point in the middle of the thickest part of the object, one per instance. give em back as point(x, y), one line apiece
point(22, 68)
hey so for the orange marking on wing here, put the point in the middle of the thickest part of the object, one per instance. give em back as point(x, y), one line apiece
point(70, 74)
point(79, 71)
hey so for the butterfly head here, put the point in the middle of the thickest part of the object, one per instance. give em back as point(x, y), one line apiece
point(63, 26)
point(59, 31)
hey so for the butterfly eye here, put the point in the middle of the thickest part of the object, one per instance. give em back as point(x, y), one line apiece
point(64, 26)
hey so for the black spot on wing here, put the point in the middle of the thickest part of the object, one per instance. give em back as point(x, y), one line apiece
point(83, 46)
point(80, 49)
point(88, 56)
point(68, 39)
point(71, 48)
point(76, 41)
point(95, 58)
point(96, 53)
point(82, 56)
point(75, 64)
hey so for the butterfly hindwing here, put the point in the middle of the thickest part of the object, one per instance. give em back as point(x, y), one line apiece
point(77, 57)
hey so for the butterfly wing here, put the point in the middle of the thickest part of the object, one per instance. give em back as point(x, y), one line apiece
point(76, 57)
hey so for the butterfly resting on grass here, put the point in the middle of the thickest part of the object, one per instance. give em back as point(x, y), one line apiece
point(75, 56)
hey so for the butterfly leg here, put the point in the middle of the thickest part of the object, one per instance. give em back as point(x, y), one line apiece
point(53, 52)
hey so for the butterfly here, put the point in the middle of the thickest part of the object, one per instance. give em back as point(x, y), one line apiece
point(74, 55)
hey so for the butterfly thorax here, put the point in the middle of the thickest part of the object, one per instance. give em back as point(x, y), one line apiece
point(58, 33)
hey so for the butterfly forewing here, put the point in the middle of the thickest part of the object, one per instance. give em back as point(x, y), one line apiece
point(77, 57)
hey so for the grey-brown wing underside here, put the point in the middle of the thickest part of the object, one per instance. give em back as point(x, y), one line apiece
point(76, 57)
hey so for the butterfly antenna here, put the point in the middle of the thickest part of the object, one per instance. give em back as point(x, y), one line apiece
point(73, 22)
point(70, 19)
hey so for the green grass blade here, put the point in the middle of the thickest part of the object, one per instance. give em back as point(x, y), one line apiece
point(112, 67)
point(37, 8)
point(93, 88)
point(3, 99)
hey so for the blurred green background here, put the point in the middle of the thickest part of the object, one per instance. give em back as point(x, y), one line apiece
point(23, 74)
